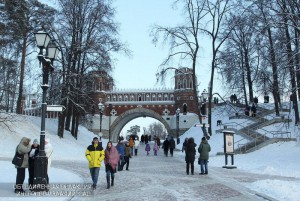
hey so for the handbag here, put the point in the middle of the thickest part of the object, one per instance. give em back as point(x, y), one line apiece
point(18, 159)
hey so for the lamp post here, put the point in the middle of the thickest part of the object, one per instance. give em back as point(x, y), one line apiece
point(41, 162)
point(177, 124)
point(110, 113)
point(100, 107)
point(204, 96)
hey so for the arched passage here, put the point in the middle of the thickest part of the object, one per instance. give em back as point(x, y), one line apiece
point(129, 115)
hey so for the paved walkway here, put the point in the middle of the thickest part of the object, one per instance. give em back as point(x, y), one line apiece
point(164, 178)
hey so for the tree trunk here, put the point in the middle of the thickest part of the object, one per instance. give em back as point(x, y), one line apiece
point(19, 101)
point(248, 74)
point(275, 88)
point(291, 66)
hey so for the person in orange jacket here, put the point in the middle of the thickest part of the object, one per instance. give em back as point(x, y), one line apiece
point(131, 144)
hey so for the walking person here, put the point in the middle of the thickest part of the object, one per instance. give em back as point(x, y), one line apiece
point(204, 150)
point(121, 149)
point(190, 155)
point(32, 154)
point(136, 146)
point(165, 146)
point(95, 155)
point(253, 109)
point(48, 152)
point(172, 146)
point(155, 148)
point(127, 156)
point(111, 161)
point(131, 144)
point(158, 141)
point(23, 148)
point(184, 144)
point(147, 148)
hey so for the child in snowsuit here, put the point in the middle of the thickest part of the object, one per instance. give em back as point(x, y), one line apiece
point(147, 148)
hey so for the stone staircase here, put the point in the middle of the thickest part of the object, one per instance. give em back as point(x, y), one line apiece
point(253, 139)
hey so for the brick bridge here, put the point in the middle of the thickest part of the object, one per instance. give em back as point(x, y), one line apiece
point(122, 106)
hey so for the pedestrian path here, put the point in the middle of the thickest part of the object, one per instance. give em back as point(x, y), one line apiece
point(164, 178)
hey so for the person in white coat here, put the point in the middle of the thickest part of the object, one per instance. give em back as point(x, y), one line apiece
point(48, 152)
point(136, 147)
point(23, 148)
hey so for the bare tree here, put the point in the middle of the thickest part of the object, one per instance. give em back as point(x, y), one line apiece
point(184, 40)
point(88, 34)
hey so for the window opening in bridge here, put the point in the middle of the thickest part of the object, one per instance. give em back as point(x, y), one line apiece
point(166, 97)
point(191, 84)
point(184, 108)
point(159, 97)
point(140, 98)
point(184, 83)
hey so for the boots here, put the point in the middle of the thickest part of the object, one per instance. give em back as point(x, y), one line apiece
point(108, 181)
point(112, 180)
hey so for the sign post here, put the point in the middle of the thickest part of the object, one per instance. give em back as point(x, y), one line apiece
point(55, 108)
point(229, 148)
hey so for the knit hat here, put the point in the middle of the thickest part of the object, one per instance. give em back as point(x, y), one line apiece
point(203, 138)
point(35, 141)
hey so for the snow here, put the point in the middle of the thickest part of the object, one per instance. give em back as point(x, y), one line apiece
point(276, 166)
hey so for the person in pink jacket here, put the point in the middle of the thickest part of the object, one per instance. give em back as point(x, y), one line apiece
point(111, 159)
point(155, 148)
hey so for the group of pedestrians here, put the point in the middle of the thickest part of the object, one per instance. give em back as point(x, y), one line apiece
point(29, 152)
point(169, 145)
point(189, 147)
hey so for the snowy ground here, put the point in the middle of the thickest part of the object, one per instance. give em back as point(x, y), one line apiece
point(273, 170)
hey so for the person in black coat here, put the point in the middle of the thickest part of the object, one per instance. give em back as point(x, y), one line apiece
point(32, 154)
point(166, 145)
point(190, 153)
point(172, 146)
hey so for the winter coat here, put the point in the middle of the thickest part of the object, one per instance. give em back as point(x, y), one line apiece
point(155, 147)
point(172, 143)
point(127, 150)
point(204, 149)
point(158, 141)
point(166, 145)
point(32, 154)
point(147, 148)
point(131, 142)
point(48, 152)
point(95, 155)
point(121, 149)
point(24, 149)
point(111, 157)
point(184, 144)
point(190, 152)
point(136, 144)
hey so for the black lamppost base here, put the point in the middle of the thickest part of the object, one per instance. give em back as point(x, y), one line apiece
point(40, 180)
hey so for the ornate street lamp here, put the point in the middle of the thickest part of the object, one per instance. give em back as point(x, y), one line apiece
point(41, 162)
point(204, 95)
point(101, 108)
point(177, 124)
